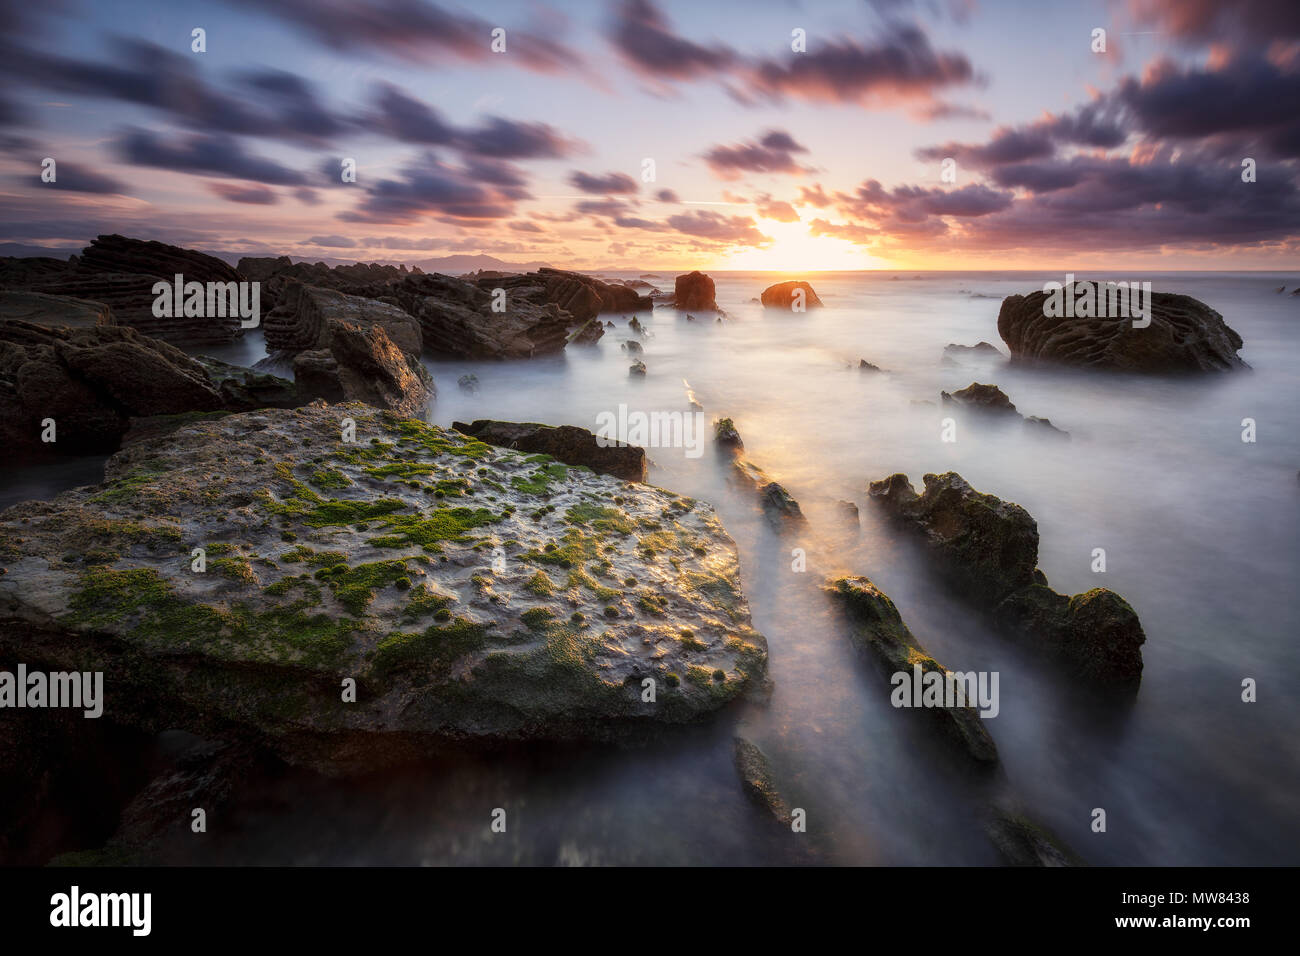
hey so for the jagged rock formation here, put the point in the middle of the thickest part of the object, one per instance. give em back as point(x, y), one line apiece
point(473, 593)
point(362, 364)
point(566, 443)
point(779, 506)
point(456, 319)
point(755, 772)
point(879, 630)
point(583, 297)
point(91, 382)
point(782, 295)
point(1185, 335)
point(989, 549)
point(305, 316)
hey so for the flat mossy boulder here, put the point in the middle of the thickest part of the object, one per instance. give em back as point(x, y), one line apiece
point(989, 549)
point(472, 593)
point(878, 629)
point(567, 443)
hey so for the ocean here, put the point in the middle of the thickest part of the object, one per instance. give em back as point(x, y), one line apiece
point(1199, 530)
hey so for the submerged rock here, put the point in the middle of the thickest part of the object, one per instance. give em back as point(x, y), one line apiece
point(879, 630)
point(865, 366)
point(467, 591)
point(989, 548)
point(1022, 842)
point(991, 400)
point(1185, 335)
point(782, 295)
point(756, 779)
point(468, 384)
point(849, 512)
point(985, 398)
point(637, 369)
point(566, 443)
point(726, 436)
point(694, 291)
point(779, 506)
point(978, 349)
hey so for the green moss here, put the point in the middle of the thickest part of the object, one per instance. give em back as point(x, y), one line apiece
point(689, 641)
point(355, 587)
point(536, 617)
point(330, 479)
point(577, 549)
point(601, 518)
point(236, 569)
point(435, 649)
point(540, 584)
point(580, 578)
point(424, 602)
point(426, 530)
point(539, 482)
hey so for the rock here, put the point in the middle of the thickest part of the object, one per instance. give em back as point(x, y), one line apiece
point(984, 398)
point(53, 310)
point(305, 318)
point(456, 319)
point(91, 381)
point(782, 511)
point(879, 630)
point(779, 506)
point(121, 273)
point(989, 549)
point(26, 272)
point(566, 443)
point(690, 318)
point(756, 779)
point(783, 296)
point(636, 326)
point(468, 384)
point(726, 436)
point(262, 268)
point(1045, 426)
point(865, 366)
point(588, 333)
point(244, 389)
point(849, 511)
point(1295, 291)
point(389, 583)
point(1185, 335)
point(1021, 842)
point(991, 400)
point(583, 297)
point(610, 325)
point(949, 362)
point(979, 349)
point(1280, 289)
point(636, 369)
point(633, 347)
point(694, 292)
point(362, 364)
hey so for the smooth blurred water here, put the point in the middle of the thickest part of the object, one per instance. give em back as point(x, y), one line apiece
point(1200, 531)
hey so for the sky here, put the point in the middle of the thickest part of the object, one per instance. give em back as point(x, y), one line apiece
point(661, 134)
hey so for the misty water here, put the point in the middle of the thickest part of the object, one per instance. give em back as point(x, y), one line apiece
point(1200, 533)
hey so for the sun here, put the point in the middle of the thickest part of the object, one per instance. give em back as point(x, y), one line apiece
point(793, 249)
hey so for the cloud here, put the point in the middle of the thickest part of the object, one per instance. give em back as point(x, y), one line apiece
point(1247, 96)
point(776, 209)
point(644, 38)
point(208, 154)
point(773, 153)
point(251, 195)
point(333, 242)
point(1214, 20)
point(731, 230)
point(609, 184)
point(428, 187)
point(74, 177)
point(900, 66)
point(416, 30)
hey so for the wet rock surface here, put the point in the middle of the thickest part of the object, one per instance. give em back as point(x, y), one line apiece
point(566, 443)
point(989, 549)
